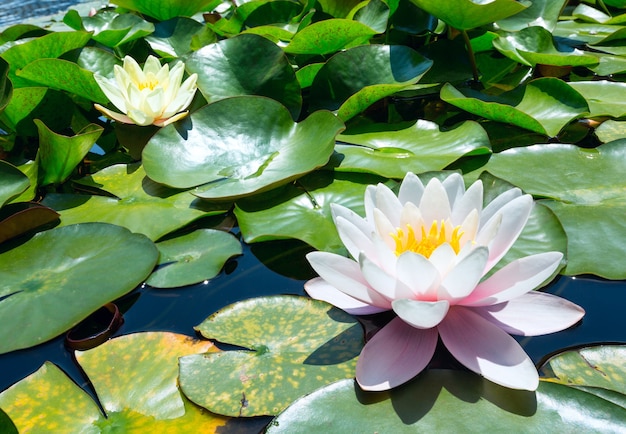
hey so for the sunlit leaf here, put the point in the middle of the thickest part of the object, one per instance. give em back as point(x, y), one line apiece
point(174, 37)
point(544, 105)
point(605, 98)
point(295, 344)
point(329, 36)
point(611, 130)
point(6, 87)
point(165, 10)
point(30, 103)
point(193, 258)
point(110, 28)
point(44, 282)
point(543, 13)
point(140, 205)
point(449, 401)
point(238, 146)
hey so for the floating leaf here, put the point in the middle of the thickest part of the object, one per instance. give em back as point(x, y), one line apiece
point(605, 98)
point(544, 105)
point(45, 284)
point(165, 10)
point(611, 130)
point(135, 379)
point(174, 37)
point(449, 401)
point(12, 182)
point(141, 205)
point(239, 146)
point(192, 258)
point(544, 13)
point(329, 36)
point(421, 147)
point(296, 345)
point(469, 14)
point(246, 65)
point(32, 103)
point(20, 218)
point(59, 155)
point(110, 28)
point(302, 210)
point(590, 201)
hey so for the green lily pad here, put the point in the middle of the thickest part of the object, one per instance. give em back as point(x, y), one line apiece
point(544, 105)
point(605, 98)
point(296, 346)
point(6, 424)
point(20, 218)
point(599, 366)
point(246, 65)
point(544, 13)
point(590, 201)
point(192, 258)
point(449, 401)
point(302, 210)
point(591, 33)
point(592, 15)
point(239, 146)
point(329, 36)
point(174, 37)
point(135, 379)
point(12, 182)
point(389, 151)
point(140, 204)
point(611, 130)
point(110, 28)
point(535, 45)
point(59, 155)
point(6, 88)
point(163, 11)
point(44, 294)
point(353, 79)
point(469, 14)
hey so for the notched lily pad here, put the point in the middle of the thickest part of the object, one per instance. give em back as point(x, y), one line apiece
point(239, 146)
point(45, 284)
point(135, 377)
point(296, 346)
point(193, 257)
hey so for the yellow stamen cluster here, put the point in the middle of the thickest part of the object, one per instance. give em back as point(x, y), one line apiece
point(428, 242)
point(150, 83)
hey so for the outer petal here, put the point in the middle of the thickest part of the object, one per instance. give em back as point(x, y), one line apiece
point(387, 202)
point(502, 199)
point(514, 279)
point(455, 188)
point(420, 314)
point(170, 120)
point(354, 239)
point(411, 189)
point(463, 278)
point(435, 205)
point(319, 289)
point(533, 314)
point(396, 354)
point(345, 275)
point(113, 115)
point(487, 350)
point(470, 201)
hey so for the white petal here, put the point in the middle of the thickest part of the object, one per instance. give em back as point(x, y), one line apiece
point(387, 202)
point(418, 274)
point(135, 73)
point(112, 91)
point(341, 211)
point(378, 279)
point(463, 278)
point(455, 188)
point(386, 257)
point(396, 354)
point(140, 117)
point(369, 203)
point(411, 215)
point(533, 314)
point(354, 239)
point(170, 120)
point(471, 201)
point(502, 199)
point(319, 289)
point(514, 279)
point(113, 115)
point(487, 350)
point(411, 189)
point(345, 275)
point(420, 314)
point(434, 204)
point(152, 65)
point(384, 228)
point(469, 227)
point(443, 258)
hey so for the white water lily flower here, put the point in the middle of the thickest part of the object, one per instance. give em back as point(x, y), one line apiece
point(149, 96)
point(424, 254)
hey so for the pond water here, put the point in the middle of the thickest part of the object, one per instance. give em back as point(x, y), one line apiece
point(16, 11)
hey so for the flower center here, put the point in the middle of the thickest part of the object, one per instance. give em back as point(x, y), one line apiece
point(426, 244)
point(150, 83)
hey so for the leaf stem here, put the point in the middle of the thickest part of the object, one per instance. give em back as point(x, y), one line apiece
point(470, 54)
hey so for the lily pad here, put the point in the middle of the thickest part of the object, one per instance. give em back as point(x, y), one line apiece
point(135, 379)
point(449, 401)
point(469, 14)
point(590, 201)
point(165, 10)
point(6, 88)
point(239, 146)
point(44, 294)
point(12, 182)
point(140, 204)
point(544, 13)
point(544, 105)
point(296, 346)
point(110, 28)
point(246, 65)
point(605, 98)
point(611, 130)
point(329, 36)
point(192, 258)
point(421, 147)
point(302, 210)
point(22, 217)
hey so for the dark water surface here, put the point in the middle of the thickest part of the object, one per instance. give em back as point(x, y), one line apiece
point(16, 11)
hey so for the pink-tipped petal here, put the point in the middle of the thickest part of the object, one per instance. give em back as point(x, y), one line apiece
point(319, 289)
point(345, 275)
point(420, 314)
point(533, 314)
point(113, 115)
point(463, 278)
point(487, 350)
point(434, 204)
point(396, 354)
point(514, 279)
point(411, 189)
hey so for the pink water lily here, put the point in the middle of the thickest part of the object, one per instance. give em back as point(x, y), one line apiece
point(424, 254)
